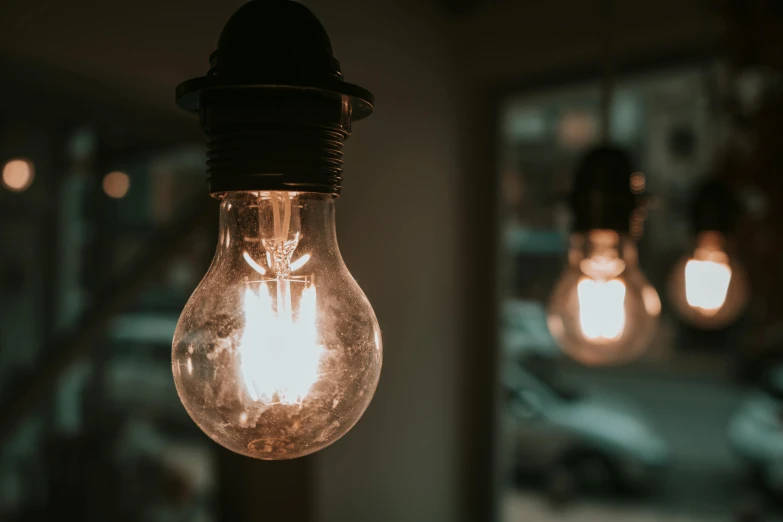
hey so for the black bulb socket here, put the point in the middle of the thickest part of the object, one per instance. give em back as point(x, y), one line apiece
point(274, 106)
point(715, 208)
point(602, 198)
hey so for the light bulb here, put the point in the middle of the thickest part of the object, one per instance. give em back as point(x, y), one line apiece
point(603, 310)
point(708, 288)
point(277, 353)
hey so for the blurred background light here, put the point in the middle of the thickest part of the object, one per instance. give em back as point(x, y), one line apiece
point(577, 130)
point(116, 184)
point(638, 182)
point(18, 175)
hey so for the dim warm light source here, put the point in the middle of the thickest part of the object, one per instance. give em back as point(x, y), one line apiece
point(603, 310)
point(116, 184)
point(577, 129)
point(638, 182)
point(709, 289)
point(18, 175)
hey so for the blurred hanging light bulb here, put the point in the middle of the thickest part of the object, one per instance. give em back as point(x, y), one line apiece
point(277, 353)
point(603, 310)
point(708, 287)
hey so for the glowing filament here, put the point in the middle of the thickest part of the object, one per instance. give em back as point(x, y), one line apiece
point(279, 354)
point(601, 309)
point(255, 266)
point(299, 263)
point(706, 285)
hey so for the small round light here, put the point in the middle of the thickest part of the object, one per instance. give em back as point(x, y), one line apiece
point(577, 129)
point(18, 175)
point(116, 184)
point(638, 182)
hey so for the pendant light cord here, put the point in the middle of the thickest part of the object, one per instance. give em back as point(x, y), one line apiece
point(606, 27)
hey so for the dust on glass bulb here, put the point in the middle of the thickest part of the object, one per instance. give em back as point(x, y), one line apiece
point(278, 353)
point(708, 288)
point(603, 310)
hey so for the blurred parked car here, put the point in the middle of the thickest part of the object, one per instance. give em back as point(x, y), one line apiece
point(525, 330)
point(578, 442)
point(756, 432)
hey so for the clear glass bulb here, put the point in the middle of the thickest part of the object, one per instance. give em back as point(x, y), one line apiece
point(277, 353)
point(708, 288)
point(603, 310)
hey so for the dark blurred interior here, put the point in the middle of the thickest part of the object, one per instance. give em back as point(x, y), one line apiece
point(454, 220)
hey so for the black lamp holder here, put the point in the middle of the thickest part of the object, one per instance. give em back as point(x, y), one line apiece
point(602, 197)
point(274, 106)
point(715, 208)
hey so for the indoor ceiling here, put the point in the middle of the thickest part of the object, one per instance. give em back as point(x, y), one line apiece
point(142, 48)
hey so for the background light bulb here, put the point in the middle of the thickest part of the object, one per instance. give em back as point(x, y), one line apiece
point(603, 310)
point(278, 353)
point(708, 288)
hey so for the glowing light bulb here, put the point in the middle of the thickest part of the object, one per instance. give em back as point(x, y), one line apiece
point(277, 353)
point(708, 289)
point(603, 310)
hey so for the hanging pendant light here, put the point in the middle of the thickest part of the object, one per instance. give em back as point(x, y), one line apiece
point(277, 353)
point(603, 310)
point(709, 288)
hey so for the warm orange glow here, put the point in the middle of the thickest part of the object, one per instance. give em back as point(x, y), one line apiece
point(638, 182)
point(601, 309)
point(18, 175)
point(577, 129)
point(116, 184)
point(279, 354)
point(707, 285)
point(652, 302)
